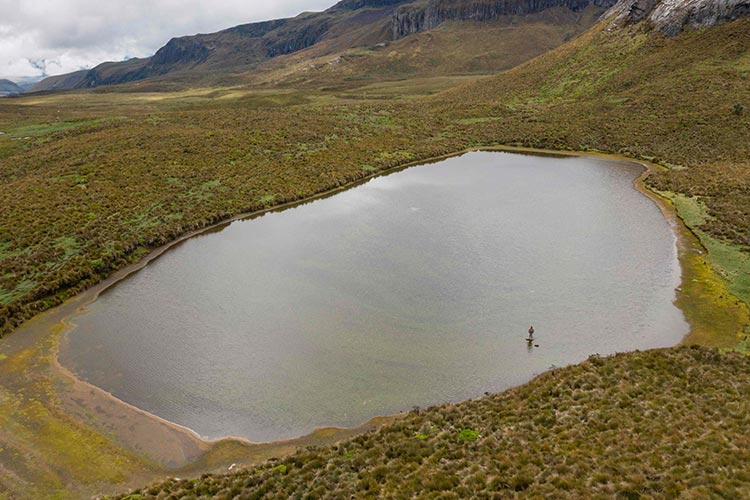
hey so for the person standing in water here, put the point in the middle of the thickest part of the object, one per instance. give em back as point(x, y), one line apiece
point(531, 333)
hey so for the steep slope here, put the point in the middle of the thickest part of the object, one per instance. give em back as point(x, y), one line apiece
point(346, 25)
point(453, 48)
point(8, 88)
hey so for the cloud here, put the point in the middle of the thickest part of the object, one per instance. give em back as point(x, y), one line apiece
point(48, 37)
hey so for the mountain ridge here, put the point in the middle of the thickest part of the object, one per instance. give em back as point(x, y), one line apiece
point(346, 25)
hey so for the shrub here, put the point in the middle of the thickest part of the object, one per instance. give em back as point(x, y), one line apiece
point(468, 435)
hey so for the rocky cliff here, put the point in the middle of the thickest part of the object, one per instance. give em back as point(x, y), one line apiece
point(671, 17)
point(413, 18)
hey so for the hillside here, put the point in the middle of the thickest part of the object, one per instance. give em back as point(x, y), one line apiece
point(347, 25)
point(8, 88)
point(453, 48)
point(667, 424)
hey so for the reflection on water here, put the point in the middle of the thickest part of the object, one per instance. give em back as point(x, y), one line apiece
point(412, 289)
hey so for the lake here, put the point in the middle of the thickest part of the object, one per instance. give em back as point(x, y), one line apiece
point(411, 289)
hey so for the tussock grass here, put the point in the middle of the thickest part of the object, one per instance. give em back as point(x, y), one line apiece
point(667, 423)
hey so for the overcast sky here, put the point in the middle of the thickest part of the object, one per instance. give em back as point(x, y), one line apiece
point(58, 36)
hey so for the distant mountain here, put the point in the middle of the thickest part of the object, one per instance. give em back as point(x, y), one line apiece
point(9, 88)
point(346, 25)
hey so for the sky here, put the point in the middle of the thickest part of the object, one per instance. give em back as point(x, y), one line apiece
point(50, 37)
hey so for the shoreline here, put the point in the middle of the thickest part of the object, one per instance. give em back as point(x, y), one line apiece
point(638, 184)
point(56, 323)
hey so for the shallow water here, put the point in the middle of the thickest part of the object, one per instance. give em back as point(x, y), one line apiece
point(412, 289)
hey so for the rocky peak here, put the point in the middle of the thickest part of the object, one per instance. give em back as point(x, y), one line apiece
point(671, 17)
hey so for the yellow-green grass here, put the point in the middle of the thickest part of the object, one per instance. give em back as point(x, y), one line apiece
point(714, 293)
point(730, 261)
point(716, 316)
point(44, 451)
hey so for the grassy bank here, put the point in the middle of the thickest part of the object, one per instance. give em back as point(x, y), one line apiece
point(717, 317)
point(666, 423)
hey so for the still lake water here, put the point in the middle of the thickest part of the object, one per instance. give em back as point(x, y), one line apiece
point(412, 289)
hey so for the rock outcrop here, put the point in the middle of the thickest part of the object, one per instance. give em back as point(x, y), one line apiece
point(413, 18)
point(671, 17)
point(358, 4)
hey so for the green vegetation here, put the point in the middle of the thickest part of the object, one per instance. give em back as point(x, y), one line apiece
point(41, 129)
point(732, 262)
point(666, 423)
point(45, 451)
point(468, 435)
